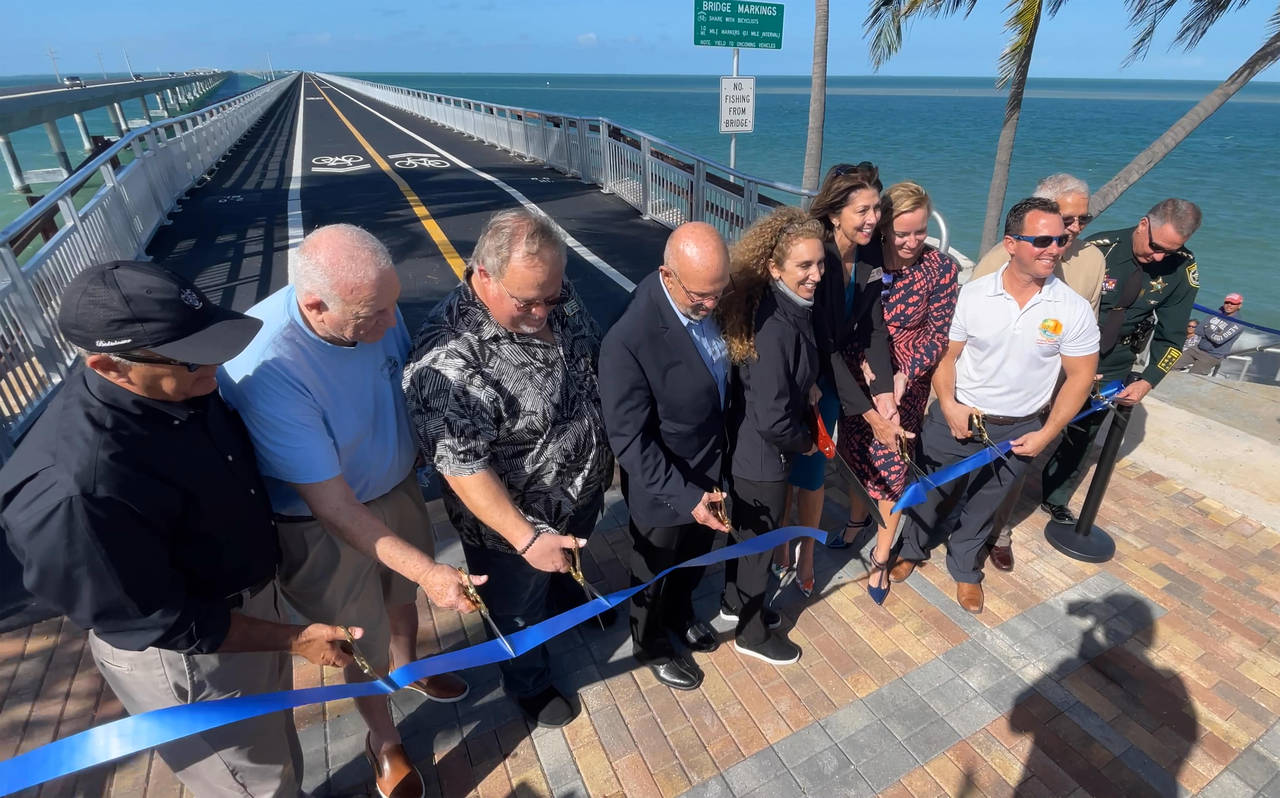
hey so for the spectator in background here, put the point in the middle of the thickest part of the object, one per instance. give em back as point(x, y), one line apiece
point(1193, 337)
point(1216, 338)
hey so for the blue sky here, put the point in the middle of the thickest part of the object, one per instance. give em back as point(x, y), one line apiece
point(1088, 38)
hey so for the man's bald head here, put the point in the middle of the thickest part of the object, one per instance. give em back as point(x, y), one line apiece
point(695, 268)
point(346, 284)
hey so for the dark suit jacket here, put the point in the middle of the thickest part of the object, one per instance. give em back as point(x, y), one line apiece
point(864, 329)
point(662, 410)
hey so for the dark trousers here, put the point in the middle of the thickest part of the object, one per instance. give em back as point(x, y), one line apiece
point(667, 605)
point(975, 497)
point(757, 508)
point(519, 595)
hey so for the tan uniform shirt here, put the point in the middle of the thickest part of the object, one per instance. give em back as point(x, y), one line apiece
point(1082, 268)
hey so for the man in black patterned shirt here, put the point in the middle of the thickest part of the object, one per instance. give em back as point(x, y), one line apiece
point(503, 400)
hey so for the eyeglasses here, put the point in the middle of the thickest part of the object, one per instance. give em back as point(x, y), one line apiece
point(160, 361)
point(526, 305)
point(1151, 242)
point(702, 299)
point(1083, 219)
point(847, 168)
point(1043, 242)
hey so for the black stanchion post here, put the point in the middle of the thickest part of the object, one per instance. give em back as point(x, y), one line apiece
point(1086, 541)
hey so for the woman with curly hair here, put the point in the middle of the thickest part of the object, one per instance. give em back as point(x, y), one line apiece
point(919, 296)
point(768, 326)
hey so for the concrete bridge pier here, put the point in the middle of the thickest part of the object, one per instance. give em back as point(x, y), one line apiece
point(83, 128)
point(146, 109)
point(11, 161)
point(164, 107)
point(55, 143)
point(117, 115)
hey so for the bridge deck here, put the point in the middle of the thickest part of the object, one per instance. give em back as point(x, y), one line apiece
point(1154, 673)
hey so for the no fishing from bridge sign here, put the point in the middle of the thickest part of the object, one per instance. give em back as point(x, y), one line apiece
point(737, 104)
point(729, 23)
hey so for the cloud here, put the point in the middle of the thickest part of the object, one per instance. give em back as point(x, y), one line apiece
point(588, 40)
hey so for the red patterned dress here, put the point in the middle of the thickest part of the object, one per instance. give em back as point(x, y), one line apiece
point(918, 303)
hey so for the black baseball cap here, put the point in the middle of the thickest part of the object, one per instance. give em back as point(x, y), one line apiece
point(128, 306)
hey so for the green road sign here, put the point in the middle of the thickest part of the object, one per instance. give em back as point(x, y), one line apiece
point(729, 23)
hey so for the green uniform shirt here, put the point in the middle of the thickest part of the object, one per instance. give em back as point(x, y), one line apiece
point(1168, 291)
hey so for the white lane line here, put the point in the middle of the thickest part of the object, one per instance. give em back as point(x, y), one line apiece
point(295, 183)
point(574, 244)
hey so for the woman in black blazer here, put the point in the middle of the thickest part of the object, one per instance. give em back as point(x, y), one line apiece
point(767, 323)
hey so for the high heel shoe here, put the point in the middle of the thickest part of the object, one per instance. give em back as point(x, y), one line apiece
point(878, 594)
point(838, 541)
point(805, 586)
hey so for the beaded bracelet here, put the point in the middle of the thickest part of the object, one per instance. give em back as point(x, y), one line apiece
point(532, 540)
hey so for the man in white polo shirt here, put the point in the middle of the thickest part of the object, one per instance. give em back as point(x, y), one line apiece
point(1013, 331)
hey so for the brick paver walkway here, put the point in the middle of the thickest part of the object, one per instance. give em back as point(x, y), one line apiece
point(1157, 673)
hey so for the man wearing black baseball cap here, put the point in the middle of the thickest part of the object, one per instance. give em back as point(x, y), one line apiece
point(135, 507)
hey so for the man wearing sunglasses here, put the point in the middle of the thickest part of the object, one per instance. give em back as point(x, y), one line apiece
point(502, 396)
point(1082, 269)
point(135, 508)
point(1149, 289)
point(1215, 340)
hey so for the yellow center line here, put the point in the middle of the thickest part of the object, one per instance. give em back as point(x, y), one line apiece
point(419, 207)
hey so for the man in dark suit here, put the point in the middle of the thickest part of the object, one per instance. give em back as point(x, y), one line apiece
point(664, 368)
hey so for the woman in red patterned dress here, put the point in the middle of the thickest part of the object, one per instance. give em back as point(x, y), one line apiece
point(919, 296)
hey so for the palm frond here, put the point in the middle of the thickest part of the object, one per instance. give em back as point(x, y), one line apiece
point(1021, 25)
point(1145, 16)
point(1200, 18)
point(883, 29)
point(1054, 7)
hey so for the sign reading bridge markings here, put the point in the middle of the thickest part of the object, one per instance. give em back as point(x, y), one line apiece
point(730, 23)
point(737, 104)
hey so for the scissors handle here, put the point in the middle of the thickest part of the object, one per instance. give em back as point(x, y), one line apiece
point(821, 438)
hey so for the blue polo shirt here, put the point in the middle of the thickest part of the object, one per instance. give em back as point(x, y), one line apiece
point(316, 410)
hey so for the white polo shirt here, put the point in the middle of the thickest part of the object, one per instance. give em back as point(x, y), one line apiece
point(1011, 357)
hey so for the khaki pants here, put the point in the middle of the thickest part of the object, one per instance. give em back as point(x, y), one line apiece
point(328, 581)
point(256, 757)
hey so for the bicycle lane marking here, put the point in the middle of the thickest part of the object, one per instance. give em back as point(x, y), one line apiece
point(586, 254)
point(433, 229)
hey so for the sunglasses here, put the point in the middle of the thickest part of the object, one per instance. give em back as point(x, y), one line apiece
point(526, 305)
point(1043, 242)
point(160, 361)
point(1156, 247)
point(847, 168)
point(1083, 219)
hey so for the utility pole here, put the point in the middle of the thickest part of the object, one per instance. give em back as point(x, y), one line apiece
point(54, 58)
point(100, 66)
point(127, 65)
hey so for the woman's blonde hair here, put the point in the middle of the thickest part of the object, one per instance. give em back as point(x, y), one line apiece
point(767, 241)
point(901, 198)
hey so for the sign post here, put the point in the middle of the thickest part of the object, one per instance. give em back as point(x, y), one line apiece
point(730, 23)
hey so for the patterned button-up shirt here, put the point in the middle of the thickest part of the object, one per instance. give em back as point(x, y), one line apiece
point(481, 397)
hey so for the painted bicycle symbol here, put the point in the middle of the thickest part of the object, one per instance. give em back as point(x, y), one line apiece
point(338, 163)
point(425, 160)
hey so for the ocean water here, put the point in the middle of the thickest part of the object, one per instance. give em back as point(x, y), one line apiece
point(941, 133)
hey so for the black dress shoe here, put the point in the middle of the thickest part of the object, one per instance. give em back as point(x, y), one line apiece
point(1060, 513)
point(678, 673)
point(701, 637)
point(549, 709)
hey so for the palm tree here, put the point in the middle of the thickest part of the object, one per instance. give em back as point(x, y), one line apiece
point(817, 99)
point(1147, 15)
point(884, 27)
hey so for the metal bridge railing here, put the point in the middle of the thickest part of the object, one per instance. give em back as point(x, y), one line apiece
point(664, 182)
point(115, 223)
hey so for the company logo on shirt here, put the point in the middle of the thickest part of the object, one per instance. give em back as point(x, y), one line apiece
point(1108, 284)
point(391, 368)
point(1050, 331)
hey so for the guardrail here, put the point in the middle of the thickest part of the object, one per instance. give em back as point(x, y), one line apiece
point(663, 181)
point(114, 224)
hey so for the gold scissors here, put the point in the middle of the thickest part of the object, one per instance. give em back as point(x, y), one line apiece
point(904, 453)
point(575, 570)
point(473, 595)
point(357, 655)
point(718, 511)
point(979, 428)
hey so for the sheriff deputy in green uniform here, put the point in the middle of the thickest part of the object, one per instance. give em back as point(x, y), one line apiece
point(1148, 290)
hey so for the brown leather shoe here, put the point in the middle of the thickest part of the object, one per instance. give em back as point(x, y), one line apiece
point(901, 570)
point(446, 688)
point(969, 596)
point(393, 774)
point(1002, 557)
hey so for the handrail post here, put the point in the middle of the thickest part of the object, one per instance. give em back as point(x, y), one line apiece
point(697, 209)
point(646, 175)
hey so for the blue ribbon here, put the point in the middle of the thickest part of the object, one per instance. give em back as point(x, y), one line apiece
point(916, 492)
point(129, 735)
